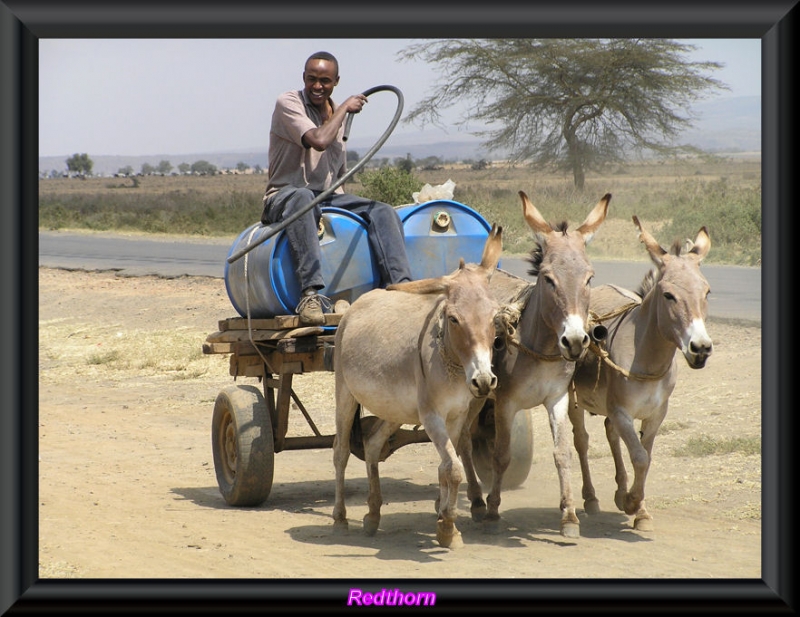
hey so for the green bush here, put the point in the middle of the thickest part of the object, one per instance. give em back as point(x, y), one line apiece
point(731, 214)
point(390, 185)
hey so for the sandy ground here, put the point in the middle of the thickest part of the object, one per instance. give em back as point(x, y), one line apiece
point(128, 487)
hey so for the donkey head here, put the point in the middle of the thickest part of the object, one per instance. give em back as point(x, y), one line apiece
point(468, 314)
point(680, 292)
point(564, 274)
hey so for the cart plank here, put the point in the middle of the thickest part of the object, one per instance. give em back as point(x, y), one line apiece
point(281, 322)
point(239, 336)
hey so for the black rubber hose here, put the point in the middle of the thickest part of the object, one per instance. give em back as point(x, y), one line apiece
point(325, 194)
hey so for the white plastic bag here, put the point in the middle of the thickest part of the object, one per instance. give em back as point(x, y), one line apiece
point(431, 193)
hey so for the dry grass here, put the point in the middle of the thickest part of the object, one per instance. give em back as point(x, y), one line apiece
point(115, 352)
point(674, 197)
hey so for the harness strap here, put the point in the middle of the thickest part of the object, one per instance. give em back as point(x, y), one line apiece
point(602, 354)
point(507, 319)
point(532, 352)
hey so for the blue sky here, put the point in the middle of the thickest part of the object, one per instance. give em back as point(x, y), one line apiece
point(183, 96)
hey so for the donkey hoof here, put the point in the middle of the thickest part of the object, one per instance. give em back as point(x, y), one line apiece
point(632, 506)
point(643, 523)
point(340, 526)
point(371, 524)
point(448, 536)
point(570, 530)
point(592, 506)
point(478, 510)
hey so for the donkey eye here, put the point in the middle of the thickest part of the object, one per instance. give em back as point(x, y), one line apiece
point(550, 280)
point(453, 320)
point(669, 296)
point(589, 280)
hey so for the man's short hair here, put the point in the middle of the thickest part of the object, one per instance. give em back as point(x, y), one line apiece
point(324, 55)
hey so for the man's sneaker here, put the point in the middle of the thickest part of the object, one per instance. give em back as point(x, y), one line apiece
point(310, 309)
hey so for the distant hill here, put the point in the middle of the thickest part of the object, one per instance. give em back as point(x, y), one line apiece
point(730, 125)
point(727, 125)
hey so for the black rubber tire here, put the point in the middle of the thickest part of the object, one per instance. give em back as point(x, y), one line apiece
point(243, 445)
point(521, 453)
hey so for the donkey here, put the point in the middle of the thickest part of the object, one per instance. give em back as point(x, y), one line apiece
point(536, 365)
point(416, 353)
point(631, 375)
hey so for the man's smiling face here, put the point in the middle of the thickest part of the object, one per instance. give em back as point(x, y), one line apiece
point(320, 78)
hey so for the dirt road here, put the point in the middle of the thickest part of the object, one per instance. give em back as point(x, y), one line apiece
point(128, 488)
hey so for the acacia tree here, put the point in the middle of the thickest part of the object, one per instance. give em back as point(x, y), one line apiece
point(80, 164)
point(577, 104)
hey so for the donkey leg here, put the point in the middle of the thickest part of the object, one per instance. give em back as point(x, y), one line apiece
point(474, 492)
point(640, 460)
point(562, 455)
point(346, 406)
point(581, 439)
point(477, 506)
point(451, 474)
point(503, 420)
point(642, 520)
point(620, 475)
point(372, 451)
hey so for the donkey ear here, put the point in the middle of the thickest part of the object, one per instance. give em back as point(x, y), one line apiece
point(702, 243)
point(532, 216)
point(422, 286)
point(492, 249)
point(653, 247)
point(595, 218)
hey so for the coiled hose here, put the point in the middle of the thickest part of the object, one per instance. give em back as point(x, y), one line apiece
point(324, 195)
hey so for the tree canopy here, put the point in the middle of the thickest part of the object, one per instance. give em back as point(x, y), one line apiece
point(80, 164)
point(204, 167)
point(578, 104)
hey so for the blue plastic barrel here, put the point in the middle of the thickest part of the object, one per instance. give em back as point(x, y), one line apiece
point(268, 275)
point(440, 232)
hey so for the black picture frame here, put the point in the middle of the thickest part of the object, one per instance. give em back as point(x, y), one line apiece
point(24, 22)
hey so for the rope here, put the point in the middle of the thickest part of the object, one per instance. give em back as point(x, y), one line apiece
point(603, 357)
point(532, 352)
point(602, 354)
point(507, 318)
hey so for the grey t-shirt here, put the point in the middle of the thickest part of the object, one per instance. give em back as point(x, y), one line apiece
point(290, 162)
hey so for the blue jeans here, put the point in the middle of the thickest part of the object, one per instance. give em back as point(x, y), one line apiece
point(384, 233)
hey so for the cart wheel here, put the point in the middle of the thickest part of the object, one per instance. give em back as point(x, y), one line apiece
point(521, 453)
point(241, 438)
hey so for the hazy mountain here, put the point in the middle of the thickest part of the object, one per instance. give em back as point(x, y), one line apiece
point(727, 125)
point(723, 126)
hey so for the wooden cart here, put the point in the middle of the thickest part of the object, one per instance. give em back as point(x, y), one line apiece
point(250, 424)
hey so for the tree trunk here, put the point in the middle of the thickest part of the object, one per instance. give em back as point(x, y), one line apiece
point(573, 147)
point(578, 175)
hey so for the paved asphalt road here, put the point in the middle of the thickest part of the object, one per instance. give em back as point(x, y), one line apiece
point(735, 291)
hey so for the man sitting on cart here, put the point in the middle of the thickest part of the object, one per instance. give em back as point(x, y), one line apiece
point(306, 157)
